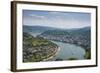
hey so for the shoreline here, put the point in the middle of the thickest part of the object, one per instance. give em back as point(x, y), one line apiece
point(51, 57)
point(71, 43)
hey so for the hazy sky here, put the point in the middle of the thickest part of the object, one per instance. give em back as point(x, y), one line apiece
point(65, 20)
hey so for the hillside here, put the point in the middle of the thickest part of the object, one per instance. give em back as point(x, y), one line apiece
point(37, 49)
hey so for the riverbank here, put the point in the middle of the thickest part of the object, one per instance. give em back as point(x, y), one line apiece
point(51, 57)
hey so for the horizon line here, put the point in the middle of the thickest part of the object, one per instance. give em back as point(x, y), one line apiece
point(58, 27)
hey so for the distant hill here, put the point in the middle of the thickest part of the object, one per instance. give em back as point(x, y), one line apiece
point(82, 31)
point(72, 32)
point(36, 29)
point(27, 28)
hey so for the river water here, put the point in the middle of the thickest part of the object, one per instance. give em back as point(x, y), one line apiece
point(68, 51)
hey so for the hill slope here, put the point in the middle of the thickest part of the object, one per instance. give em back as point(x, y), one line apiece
point(37, 49)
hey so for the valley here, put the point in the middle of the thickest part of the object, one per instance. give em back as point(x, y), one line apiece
point(43, 43)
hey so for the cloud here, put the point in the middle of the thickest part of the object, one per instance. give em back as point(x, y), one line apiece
point(58, 19)
point(55, 12)
point(36, 16)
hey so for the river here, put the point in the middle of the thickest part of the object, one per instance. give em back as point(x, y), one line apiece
point(68, 51)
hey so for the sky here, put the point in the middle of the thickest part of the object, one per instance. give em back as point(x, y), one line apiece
point(57, 19)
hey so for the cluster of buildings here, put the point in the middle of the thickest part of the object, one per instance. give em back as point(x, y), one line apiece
point(80, 40)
